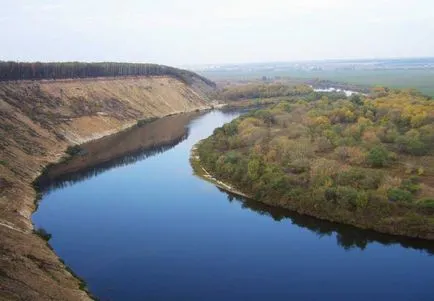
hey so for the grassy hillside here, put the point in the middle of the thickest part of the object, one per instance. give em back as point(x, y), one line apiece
point(365, 161)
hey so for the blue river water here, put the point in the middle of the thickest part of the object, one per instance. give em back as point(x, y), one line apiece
point(148, 229)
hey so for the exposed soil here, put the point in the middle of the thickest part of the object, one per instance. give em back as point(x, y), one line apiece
point(38, 121)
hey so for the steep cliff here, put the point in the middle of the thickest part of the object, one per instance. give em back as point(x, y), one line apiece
point(39, 120)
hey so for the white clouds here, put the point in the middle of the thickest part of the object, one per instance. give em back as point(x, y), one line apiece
point(195, 31)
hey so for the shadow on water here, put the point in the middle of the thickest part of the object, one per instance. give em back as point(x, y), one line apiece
point(347, 237)
point(142, 142)
point(124, 148)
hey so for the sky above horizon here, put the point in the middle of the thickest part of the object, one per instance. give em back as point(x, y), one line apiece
point(197, 32)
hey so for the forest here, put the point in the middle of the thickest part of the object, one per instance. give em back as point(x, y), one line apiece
point(361, 160)
point(253, 92)
point(261, 90)
point(13, 71)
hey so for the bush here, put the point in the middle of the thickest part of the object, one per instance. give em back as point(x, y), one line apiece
point(346, 194)
point(41, 232)
point(74, 150)
point(427, 202)
point(299, 166)
point(146, 121)
point(324, 144)
point(362, 199)
point(361, 178)
point(230, 129)
point(378, 156)
point(266, 116)
point(411, 145)
point(254, 169)
point(411, 184)
point(399, 195)
point(356, 99)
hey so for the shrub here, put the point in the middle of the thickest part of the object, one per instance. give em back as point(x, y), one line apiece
point(41, 232)
point(427, 134)
point(356, 99)
point(362, 199)
point(350, 195)
point(356, 155)
point(376, 196)
point(399, 195)
point(411, 184)
point(146, 121)
point(233, 157)
point(282, 106)
point(330, 194)
point(411, 145)
point(231, 128)
point(361, 178)
point(350, 154)
point(254, 169)
point(347, 194)
point(387, 134)
point(299, 166)
point(324, 144)
point(74, 150)
point(378, 156)
point(295, 193)
point(266, 116)
point(427, 202)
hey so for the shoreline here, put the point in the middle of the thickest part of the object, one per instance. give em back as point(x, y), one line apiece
point(64, 154)
point(201, 172)
point(41, 121)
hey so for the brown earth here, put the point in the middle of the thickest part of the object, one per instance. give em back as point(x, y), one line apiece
point(38, 121)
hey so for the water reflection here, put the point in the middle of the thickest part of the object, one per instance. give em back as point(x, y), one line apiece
point(117, 150)
point(347, 237)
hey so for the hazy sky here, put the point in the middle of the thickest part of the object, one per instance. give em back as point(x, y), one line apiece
point(219, 31)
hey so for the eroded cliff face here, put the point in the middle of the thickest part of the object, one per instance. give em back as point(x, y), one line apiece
point(38, 121)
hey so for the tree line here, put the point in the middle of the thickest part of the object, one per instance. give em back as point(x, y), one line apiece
point(13, 71)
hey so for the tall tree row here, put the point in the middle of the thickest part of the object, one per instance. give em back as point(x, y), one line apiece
point(13, 71)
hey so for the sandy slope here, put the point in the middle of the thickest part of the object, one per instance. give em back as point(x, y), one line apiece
point(38, 120)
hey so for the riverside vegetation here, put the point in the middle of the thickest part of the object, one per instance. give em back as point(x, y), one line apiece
point(361, 160)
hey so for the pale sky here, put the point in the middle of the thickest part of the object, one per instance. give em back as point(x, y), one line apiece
point(189, 32)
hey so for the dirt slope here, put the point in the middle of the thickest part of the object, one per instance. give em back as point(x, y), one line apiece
point(38, 120)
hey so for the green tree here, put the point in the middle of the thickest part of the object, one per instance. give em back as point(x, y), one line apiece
point(254, 168)
point(399, 195)
point(378, 156)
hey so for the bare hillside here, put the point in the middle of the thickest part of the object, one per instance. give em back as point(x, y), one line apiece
point(39, 120)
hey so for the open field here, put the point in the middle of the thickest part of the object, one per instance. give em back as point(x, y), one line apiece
point(415, 74)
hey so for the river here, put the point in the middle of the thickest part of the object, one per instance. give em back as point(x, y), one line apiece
point(338, 90)
point(131, 219)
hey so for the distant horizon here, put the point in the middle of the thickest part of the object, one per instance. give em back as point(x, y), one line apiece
point(319, 60)
point(229, 63)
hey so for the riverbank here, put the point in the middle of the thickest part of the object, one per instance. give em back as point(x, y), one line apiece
point(124, 231)
point(301, 157)
point(201, 172)
point(40, 120)
point(295, 206)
